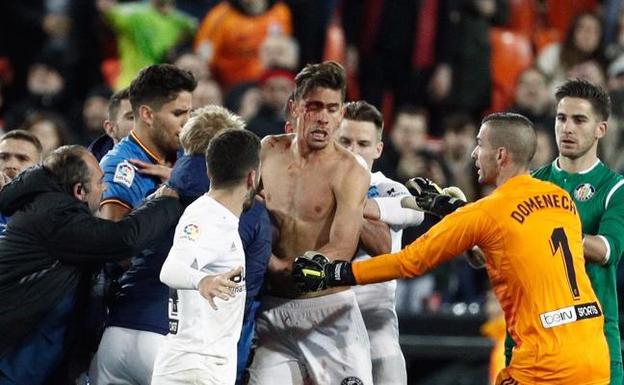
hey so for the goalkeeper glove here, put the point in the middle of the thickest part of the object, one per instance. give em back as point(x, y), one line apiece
point(313, 272)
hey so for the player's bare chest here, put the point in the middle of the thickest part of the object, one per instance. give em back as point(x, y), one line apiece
point(300, 192)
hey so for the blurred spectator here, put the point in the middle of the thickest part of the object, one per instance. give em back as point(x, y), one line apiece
point(615, 44)
point(610, 149)
point(206, 93)
point(464, 83)
point(275, 86)
point(46, 90)
point(146, 32)
point(50, 129)
point(94, 113)
point(457, 145)
point(545, 151)
point(582, 42)
point(533, 100)
point(190, 61)
point(117, 125)
point(424, 163)
point(312, 18)
point(393, 46)
point(244, 100)
point(25, 27)
point(590, 70)
point(408, 134)
point(279, 50)
point(231, 34)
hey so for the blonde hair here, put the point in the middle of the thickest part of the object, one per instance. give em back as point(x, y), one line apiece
point(204, 124)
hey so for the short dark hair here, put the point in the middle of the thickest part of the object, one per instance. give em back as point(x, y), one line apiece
point(362, 111)
point(595, 95)
point(287, 112)
point(230, 155)
point(514, 132)
point(115, 102)
point(328, 74)
point(24, 136)
point(67, 165)
point(158, 84)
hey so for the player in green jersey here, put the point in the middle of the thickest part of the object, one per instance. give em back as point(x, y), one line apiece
point(582, 113)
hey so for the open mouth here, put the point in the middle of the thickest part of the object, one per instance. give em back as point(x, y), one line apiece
point(319, 135)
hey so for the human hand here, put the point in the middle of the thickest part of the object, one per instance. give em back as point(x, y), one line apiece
point(428, 196)
point(220, 286)
point(313, 272)
point(157, 170)
point(4, 179)
point(419, 186)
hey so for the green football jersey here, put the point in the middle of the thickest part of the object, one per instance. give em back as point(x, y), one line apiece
point(599, 196)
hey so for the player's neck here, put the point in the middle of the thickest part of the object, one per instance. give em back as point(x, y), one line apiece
point(232, 199)
point(580, 164)
point(305, 153)
point(509, 172)
point(143, 134)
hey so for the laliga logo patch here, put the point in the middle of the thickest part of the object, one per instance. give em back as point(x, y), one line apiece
point(190, 232)
point(584, 192)
point(124, 174)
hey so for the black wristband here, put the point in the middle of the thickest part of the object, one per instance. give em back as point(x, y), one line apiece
point(339, 274)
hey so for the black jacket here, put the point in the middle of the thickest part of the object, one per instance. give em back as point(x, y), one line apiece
point(52, 239)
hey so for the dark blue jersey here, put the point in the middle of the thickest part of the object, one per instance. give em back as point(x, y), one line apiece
point(140, 302)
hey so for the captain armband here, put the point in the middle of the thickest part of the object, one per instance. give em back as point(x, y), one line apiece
point(393, 213)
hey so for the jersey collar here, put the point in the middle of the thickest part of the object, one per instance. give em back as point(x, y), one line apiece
point(555, 165)
point(150, 154)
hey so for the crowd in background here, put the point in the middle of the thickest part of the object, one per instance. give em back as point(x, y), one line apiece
point(433, 67)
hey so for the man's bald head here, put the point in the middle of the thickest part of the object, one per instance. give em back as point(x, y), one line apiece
point(513, 132)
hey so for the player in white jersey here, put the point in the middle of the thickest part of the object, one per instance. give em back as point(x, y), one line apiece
point(360, 132)
point(205, 267)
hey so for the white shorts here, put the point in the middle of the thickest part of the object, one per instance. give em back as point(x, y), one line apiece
point(187, 377)
point(321, 339)
point(376, 303)
point(190, 376)
point(125, 357)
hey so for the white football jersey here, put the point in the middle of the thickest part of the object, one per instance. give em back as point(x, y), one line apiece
point(206, 242)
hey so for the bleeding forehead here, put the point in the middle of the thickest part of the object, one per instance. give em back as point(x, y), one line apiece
point(322, 95)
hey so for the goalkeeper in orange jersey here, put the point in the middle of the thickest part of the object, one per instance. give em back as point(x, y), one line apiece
point(530, 233)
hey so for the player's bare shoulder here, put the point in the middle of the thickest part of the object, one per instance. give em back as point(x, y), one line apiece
point(351, 166)
point(274, 145)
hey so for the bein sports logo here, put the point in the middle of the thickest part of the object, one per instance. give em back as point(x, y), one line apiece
point(558, 317)
point(570, 314)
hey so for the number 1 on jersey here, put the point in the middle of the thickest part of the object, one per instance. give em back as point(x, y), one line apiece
point(559, 239)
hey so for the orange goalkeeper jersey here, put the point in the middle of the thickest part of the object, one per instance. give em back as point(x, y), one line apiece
point(530, 233)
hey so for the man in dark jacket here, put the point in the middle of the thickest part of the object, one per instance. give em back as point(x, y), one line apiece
point(51, 242)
